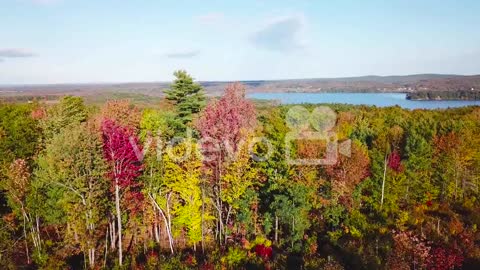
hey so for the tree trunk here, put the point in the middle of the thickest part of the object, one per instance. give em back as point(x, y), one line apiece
point(25, 236)
point(456, 182)
point(438, 225)
point(383, 182)
point(106, 248)
point(113, 235)
point(226, 223)
point(91, 257)
point(168, 231)
point(293, 229)
point(155, 226)
point(220, 224)
point(90, 233)
point(220, 205)
point(37, 221)
point(34, 232)
point(203, 218)
point(37, 232)
point(155, 230)
point(119, 222)
point(166, 220)
point(169, 218)
point(276, 229)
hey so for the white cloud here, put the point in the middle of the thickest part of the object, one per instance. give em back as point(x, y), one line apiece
point(210, 18)
point(45, 2)
point(39, 2)
point(281, 34)
point(183, 54)
point(15, 53)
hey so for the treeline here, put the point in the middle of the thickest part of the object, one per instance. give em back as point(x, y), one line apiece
point(110, 187)
point(445, 95)
point(28, 98)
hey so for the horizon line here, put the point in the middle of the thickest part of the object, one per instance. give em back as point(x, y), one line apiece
point(230, 81)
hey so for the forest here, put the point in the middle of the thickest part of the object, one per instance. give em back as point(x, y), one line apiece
point(197, 182)
point(445, 95)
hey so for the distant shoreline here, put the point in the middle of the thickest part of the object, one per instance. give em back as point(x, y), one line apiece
point(417, 87)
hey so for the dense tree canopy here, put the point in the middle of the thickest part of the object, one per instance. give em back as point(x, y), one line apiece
point(114, 187)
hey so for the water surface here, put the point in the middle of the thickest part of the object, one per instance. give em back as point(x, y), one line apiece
point(372, 99)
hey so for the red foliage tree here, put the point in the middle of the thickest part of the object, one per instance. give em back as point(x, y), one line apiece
point(409, 252)
point(446, 143)
point(121, 150)
point(311, 149)
point(264, 252)
point(39, 113)
point(224, 122)
point(122, 112)
point(348, 172)
point(223, 125)
point(394, 161)
point(120, 147)
point(441, 258)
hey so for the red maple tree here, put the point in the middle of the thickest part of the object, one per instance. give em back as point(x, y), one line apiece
point(394, 161)
point(224, 122)
point(121, 149)
point(441, 258)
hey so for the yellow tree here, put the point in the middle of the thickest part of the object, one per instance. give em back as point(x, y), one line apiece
point(239, 175)
point(176, 192)
point(182, 169)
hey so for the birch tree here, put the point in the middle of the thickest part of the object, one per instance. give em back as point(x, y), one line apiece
point(73, 162)
point(121, 149)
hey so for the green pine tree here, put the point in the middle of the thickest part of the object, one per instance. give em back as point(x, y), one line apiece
point(187, 96)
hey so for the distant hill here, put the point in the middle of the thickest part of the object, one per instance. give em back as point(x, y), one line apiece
point(409, 83)
point(418, 83)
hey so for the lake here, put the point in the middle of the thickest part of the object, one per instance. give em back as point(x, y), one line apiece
point(373, 99)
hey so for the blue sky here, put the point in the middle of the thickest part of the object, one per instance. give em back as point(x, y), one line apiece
point(71, 41)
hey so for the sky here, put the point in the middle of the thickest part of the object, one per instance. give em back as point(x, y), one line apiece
point(87, 41)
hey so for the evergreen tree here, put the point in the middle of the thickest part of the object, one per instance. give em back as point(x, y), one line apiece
point(187, 96)
point(70, 110)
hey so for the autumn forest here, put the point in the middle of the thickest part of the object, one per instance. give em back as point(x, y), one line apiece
point(202, 182)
